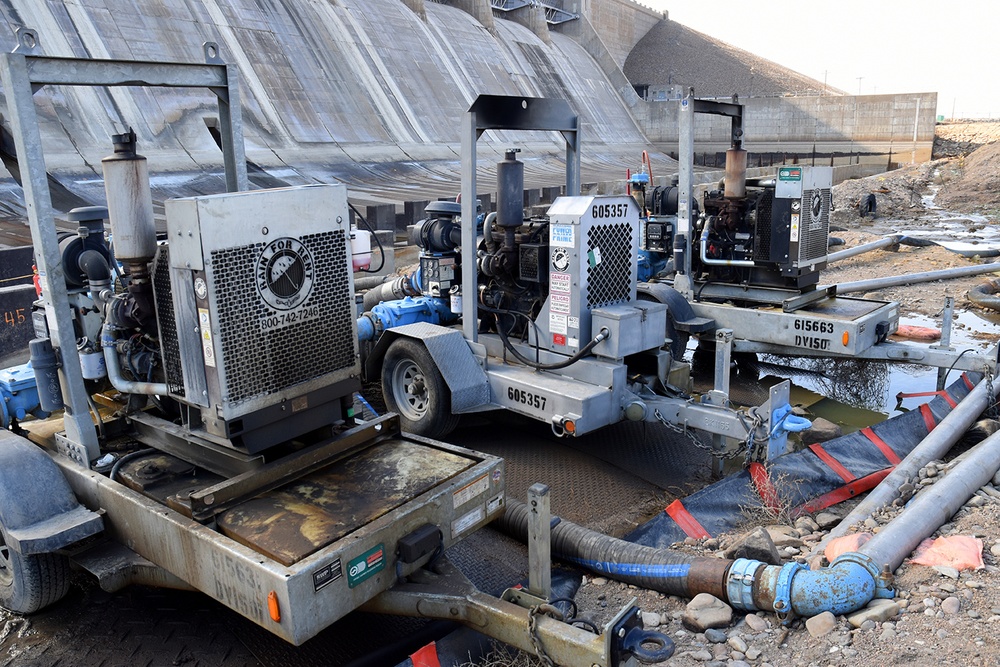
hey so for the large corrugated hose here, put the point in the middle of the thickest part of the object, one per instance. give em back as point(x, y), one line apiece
point(661, 570)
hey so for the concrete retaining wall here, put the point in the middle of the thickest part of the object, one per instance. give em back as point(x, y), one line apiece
point(866, 124)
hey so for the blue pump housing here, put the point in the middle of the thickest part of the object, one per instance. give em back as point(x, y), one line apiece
point(408, 310)
point(19, 395)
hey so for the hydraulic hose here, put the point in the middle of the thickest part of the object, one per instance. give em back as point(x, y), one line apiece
point(584, 351)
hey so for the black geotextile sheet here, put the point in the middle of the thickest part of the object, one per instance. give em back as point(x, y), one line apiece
point(801, 478)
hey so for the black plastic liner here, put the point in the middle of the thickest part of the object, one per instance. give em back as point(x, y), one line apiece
point(800, 479)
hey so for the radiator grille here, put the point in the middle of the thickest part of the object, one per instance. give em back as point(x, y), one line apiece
point(167, 321)
point(610, 280)
point(815, 230)
point(260, 361)
point(762, 239)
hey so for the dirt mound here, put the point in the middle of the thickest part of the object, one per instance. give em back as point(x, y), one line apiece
point(973, 183)
point(671, 53)
point(960, 137)
point(897, 194)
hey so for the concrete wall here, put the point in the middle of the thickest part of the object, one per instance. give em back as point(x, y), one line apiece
point(622, 22)
point(367, 92)
point(867, 123)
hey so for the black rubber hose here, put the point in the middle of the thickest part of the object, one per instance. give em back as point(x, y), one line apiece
point(584, 351)
point(95, 266)
point(371, 282)
point(985, 295)
point(660, 570)
point(125, 459)
point(392, 290)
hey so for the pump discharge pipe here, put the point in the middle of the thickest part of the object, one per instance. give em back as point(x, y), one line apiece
point(933, 447)
point(935, 505)
point(912, 278)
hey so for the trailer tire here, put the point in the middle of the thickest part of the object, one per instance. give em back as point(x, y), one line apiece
point(31, 582)
point(414, 389)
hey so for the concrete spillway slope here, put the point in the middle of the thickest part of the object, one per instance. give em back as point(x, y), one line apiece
point(365, 92)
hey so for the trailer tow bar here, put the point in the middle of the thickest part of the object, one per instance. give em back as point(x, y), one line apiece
point(525, 618)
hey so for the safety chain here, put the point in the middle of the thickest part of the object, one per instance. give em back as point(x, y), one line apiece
point(689, 433)
point(536, 642)
point(991, 402)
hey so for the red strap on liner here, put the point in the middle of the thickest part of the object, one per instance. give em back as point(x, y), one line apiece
point(768, 494)
point(861, 485)
point(880, 443)
point(943, 394)
point(929, 421)
point(686, 520)
point(427, 656)
point(968, 382)
point(832, 463)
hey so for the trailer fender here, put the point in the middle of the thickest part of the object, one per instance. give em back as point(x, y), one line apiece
point(462, 372)
point(38, 511)
point(682, 321)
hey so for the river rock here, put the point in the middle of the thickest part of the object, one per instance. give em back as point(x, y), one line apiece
point(951, 605)
point(755, 545)
point(706, 611)
point(827, 520)
point(783, 536)
point(882, 611)
point(715, 635)
point(821, 431)
point(821, 624)
point(737, 643)
point(756, 623)
point(650, 620)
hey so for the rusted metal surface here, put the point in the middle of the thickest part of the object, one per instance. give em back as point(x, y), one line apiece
point(208, 501)
point(166, 479)
point(708, 577)
point(292, 522)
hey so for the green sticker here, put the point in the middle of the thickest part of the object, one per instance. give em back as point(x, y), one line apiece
point(790, 174)
point(365, 565)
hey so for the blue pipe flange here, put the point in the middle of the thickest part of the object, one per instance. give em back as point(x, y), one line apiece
point(739, 583)
point(883, 581)
point(783, 589)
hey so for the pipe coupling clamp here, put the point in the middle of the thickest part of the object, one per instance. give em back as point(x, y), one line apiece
point(883, 580)
point(783, 588)
point(739, 583)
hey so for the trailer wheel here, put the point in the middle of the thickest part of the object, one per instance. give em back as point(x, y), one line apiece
point(414, 389)
point(32, 582)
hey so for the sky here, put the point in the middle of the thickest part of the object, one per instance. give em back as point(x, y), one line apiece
point(875, 46)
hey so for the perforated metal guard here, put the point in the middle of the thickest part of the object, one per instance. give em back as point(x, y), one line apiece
point(609, 282)
point(167, 322)
point(815, 232)
point(762, 243)
point(259, 361)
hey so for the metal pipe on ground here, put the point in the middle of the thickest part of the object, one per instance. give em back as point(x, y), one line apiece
point(911, 278)
point(884, 242)
point(935, 505)
point(933, 447)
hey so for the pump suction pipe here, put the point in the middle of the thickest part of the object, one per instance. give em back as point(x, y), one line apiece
point(849, 583)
